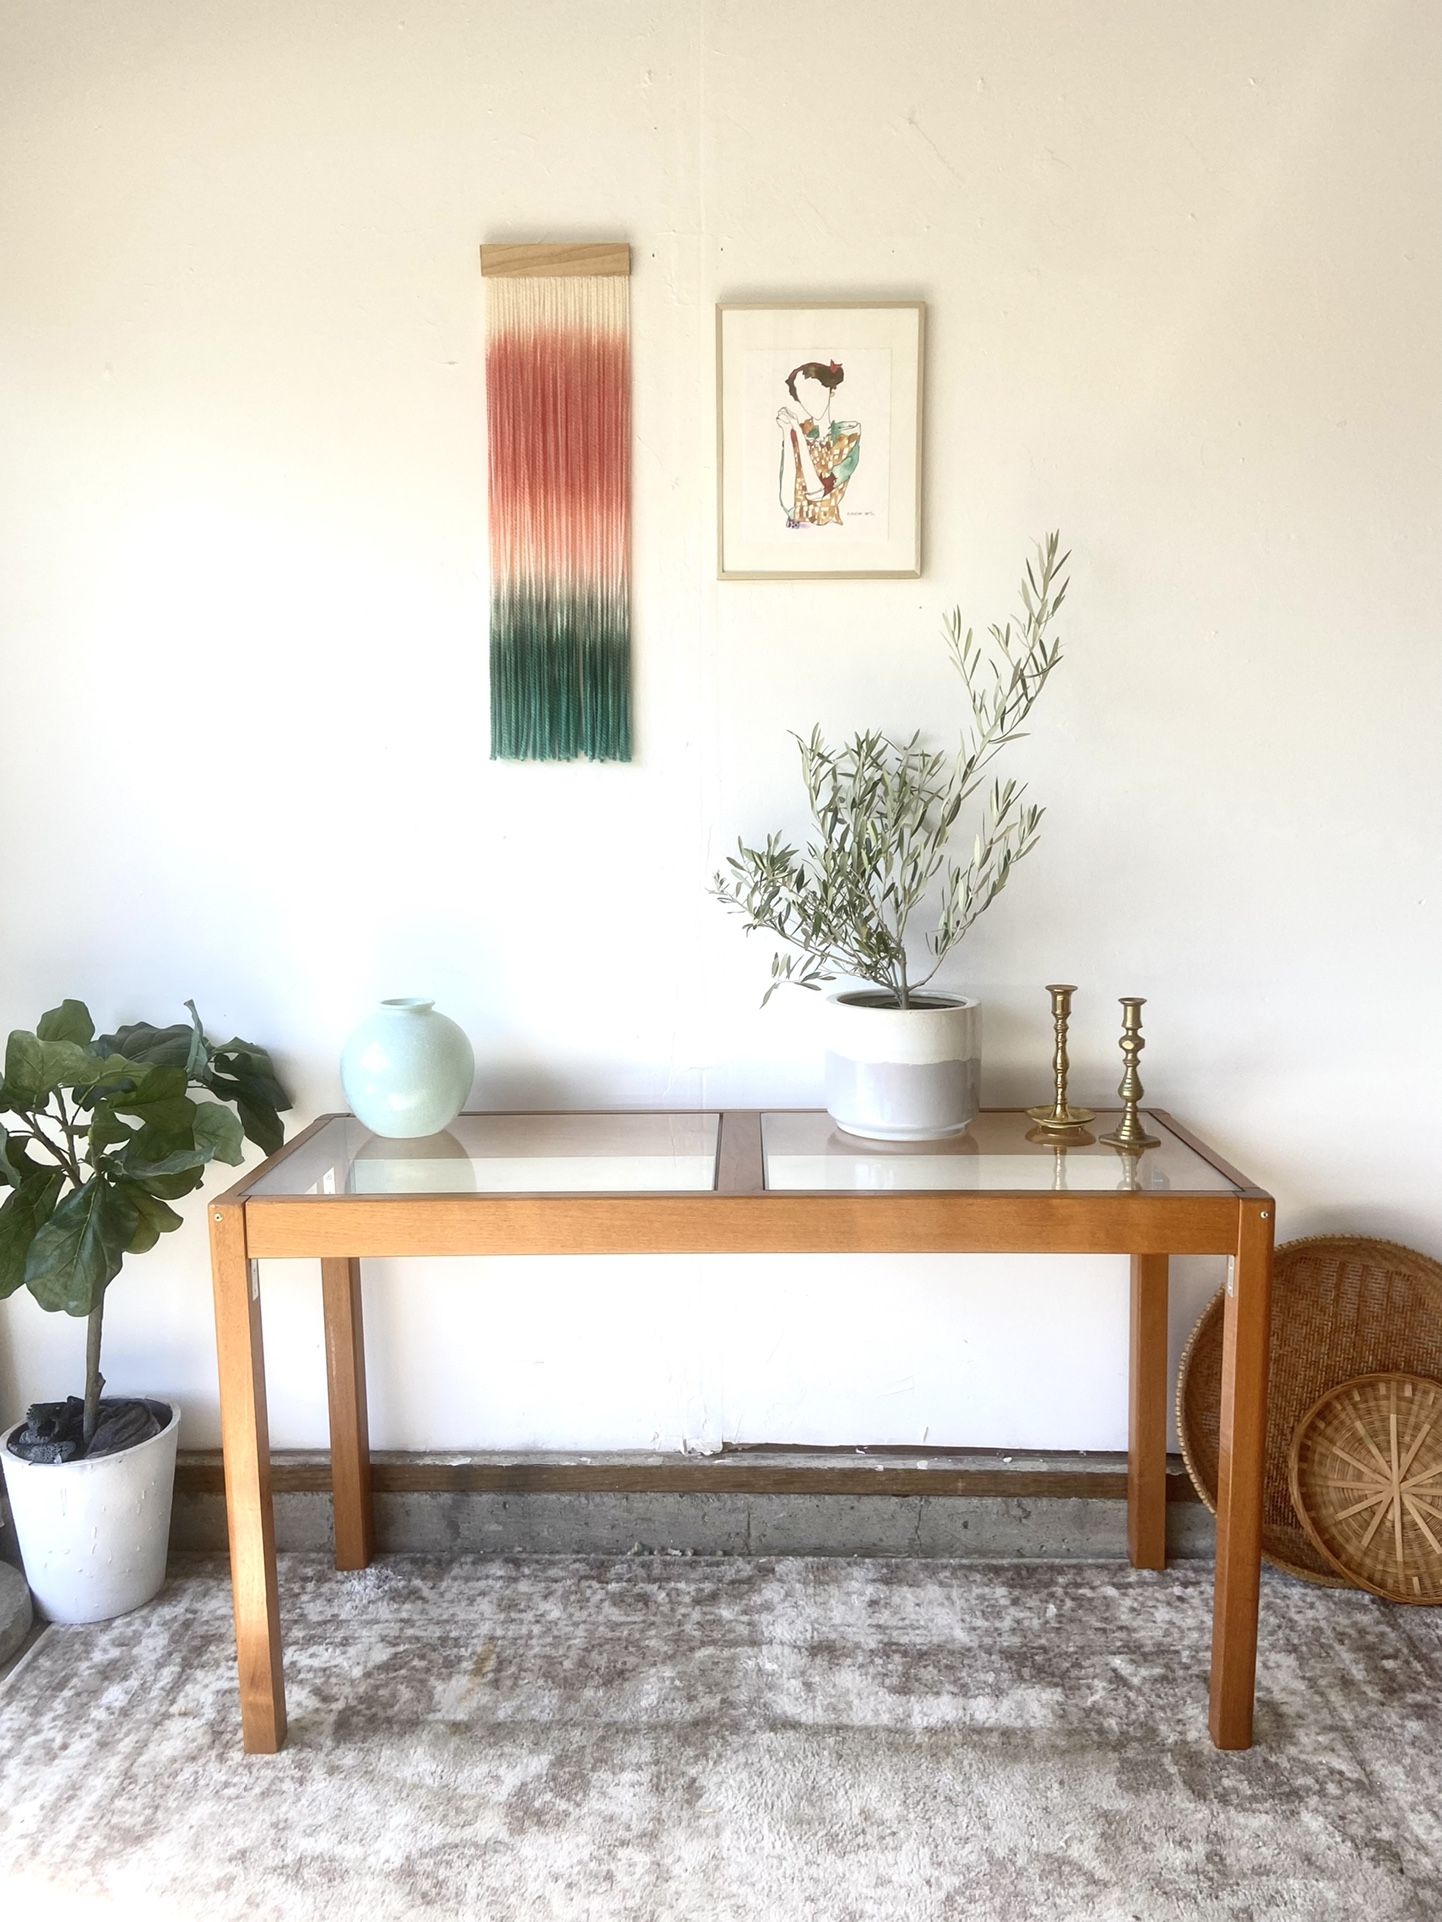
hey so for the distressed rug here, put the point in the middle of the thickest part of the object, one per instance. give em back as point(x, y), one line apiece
point(660, 1738)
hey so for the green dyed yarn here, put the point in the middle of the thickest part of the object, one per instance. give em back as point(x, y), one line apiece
point(560, 675)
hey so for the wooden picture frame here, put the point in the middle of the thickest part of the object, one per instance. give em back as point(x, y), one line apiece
point(819, 439)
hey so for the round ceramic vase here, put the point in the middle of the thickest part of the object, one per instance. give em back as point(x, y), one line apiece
point(93, 1534)
point(903, 1074)
point(407, 1070)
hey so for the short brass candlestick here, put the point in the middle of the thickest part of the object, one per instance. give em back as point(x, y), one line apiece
point(1129, 1132)
point(1059, 1115)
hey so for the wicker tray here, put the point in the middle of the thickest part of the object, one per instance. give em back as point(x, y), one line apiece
point(1366, 1479)
point(1342, 1305)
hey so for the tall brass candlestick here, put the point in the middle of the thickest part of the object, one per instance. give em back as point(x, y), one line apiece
point(1059, 1115)
point(1129, 1132)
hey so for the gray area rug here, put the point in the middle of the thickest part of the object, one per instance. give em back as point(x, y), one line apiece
point(662, 1739)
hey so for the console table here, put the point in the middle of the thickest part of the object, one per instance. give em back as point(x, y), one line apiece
point(736, 1183)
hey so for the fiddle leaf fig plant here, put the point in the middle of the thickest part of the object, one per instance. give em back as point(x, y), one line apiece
point(101, 1133)
point(883, 813)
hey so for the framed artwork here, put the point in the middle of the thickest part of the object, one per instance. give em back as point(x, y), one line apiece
point(818, 450)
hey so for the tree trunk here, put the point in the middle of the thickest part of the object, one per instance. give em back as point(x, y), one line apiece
point(94, 1380)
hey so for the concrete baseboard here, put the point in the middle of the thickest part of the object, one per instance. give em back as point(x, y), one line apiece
point(750, 1520)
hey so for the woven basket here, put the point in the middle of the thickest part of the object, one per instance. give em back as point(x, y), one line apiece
point(1366, 1479)
point(1342, 1305)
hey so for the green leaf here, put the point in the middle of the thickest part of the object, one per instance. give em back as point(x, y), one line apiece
point(199, 1055)
point(165, 1147)
point(167, 1117)
point(106, 1129)
point(15, 1162)
point(258, 1116)
point(24, 1068)
point(218, 1130)
point(27, 1208)
point(35, 1068)
point(149, 1046)
point(169, 1187)
point(139, 1163)
point(69, 1022)
point(154, 1087)
point(77, 1253)
point(261, 1123)
point(108, 1074)
point(155, 1218)
point(253, 1066)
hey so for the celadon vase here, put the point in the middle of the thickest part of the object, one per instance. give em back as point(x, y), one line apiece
point(407, 1070)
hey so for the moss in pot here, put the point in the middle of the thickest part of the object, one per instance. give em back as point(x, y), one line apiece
point(903, 1058)
point(101, 1134)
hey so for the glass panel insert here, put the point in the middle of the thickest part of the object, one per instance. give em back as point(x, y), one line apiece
point(516, 1154)
point(808, 1152)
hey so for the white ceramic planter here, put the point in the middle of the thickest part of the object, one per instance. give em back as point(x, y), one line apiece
point(902, 1074)
point(93, 1534)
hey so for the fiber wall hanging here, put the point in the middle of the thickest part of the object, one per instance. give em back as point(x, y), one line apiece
point(558, 393)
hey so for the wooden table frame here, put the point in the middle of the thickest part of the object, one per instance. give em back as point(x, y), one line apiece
point(740, 1216)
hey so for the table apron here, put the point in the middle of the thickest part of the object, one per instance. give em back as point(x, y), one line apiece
point(669, 1224)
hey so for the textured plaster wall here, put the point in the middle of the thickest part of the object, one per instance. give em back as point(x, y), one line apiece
point(1183, 275)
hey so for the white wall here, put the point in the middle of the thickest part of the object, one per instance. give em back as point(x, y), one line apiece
point(1183, 275)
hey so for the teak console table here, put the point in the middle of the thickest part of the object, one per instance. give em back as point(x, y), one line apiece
point(736, 1183)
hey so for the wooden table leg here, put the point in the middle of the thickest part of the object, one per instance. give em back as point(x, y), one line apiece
point(345, 1368)
point(1241, 1458)
point(245, 1438)
point(1147, 1431)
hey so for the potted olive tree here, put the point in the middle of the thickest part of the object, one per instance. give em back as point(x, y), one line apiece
point(101, 1135)
point(903, 1059)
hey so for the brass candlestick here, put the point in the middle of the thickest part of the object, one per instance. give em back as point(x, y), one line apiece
point(1129, 1132)
point(1059, 1115)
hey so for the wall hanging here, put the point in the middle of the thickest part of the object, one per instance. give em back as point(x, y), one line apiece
point(558, 395)
point(819, 440)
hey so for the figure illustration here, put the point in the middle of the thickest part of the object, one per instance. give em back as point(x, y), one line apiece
point(818, 454)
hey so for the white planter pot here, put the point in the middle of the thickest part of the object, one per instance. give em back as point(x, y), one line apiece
point(902, 1074)
point(93, 1534)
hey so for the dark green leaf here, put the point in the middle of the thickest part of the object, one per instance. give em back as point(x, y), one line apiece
point(148, 1045)
point(253, 1066)
point(78, 1252)
point(199, 1055)
point(258, 1117)
point(107, 1130)
point(256, 1065)
point(166, 1141)
point(35, 1068)
point(69, 1022)
point(139, 1164)
point(15, 1162)
point(26, 1210)
point(154, 1217)
point(155, 1086)
point(217, 1129)
point(24, 1068)
point(169, 1187)
point(261, 1123)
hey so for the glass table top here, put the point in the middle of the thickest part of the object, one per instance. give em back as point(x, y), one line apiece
point(665, 1153)
point(510, 1154)
point(809, 1152)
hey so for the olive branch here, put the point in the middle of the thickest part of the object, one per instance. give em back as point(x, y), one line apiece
point(883, 814)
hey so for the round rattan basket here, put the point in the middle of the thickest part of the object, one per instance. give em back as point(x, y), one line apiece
point(1342, 1306)
point(1366, 1479)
